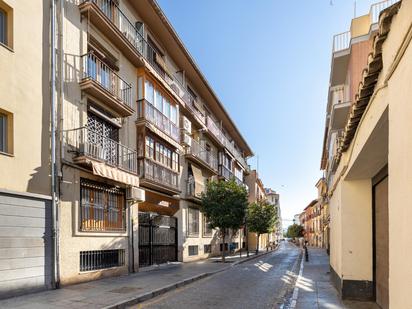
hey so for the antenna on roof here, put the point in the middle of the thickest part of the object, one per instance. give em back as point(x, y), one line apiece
point(354, 9)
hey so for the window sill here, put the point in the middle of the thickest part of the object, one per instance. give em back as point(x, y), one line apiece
point(100, 234)
point(6, 153)
point(7, 47)
point(193, 236)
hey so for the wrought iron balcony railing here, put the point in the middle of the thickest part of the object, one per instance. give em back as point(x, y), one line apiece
point(147, 111)
point(93, 68)
point(199, 151)
point(92, 144)
point(228, 175)
point(128, 30)
point(150, 170)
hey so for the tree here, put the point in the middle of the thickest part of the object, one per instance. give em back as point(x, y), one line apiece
point(261, 219)
point(224, 204)
point(295, 231)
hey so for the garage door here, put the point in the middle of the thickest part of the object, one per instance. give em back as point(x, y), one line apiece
point(25, 244)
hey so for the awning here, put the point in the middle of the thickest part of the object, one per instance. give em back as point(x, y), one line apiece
point(199, 181)
point(101, 169)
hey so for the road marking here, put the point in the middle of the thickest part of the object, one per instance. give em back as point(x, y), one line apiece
point(295, 294)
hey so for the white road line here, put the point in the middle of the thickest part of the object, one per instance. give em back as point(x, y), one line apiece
point(296, 289)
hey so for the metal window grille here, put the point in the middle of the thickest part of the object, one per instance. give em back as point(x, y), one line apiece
point(101, 259)
point(193, 250)
point(193, 222)
point(207, 248)
point(102, 207)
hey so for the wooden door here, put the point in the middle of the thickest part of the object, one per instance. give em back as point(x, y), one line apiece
point(381, 243)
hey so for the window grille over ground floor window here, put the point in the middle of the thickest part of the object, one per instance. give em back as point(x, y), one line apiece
point(193, 250)
point(101, 259)
point(193, 222)
point(207, 248)
point(102, 207)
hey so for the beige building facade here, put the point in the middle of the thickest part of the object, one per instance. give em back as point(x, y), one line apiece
point(26, 243)
point(366, 163)
point(139, 132)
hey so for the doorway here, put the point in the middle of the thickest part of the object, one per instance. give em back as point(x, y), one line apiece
point(381, 240)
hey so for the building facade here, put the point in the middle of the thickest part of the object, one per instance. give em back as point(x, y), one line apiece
point(124, 135)
point(26, 240)
point(365, 156)
point(273, 198)
point(257, 193)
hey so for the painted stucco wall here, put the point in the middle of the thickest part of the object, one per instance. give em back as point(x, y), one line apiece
point(25, 93)
point(400, 154)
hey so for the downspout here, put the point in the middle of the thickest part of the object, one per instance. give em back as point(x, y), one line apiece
point(53, 142)
point(61, 110)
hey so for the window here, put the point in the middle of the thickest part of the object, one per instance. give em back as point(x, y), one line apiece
point(166, 108)
point(102, 207)
point(173, 114)
point(149, 147)
point(207, 230)
point(3, 133)
point(175, 161)
point(158, 101)
point(193, 222)
point(3, 27)
point(101, 259)
point(149, 95)
point(6, 132)
point(207, 248)
point(193, 250)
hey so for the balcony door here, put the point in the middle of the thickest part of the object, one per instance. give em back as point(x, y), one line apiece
point(102, 139)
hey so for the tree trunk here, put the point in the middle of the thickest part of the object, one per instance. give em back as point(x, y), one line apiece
point(257, 243)
point(223, 246)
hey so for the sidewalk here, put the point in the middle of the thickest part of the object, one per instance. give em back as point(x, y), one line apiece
point(133, 288)
point(315, 290)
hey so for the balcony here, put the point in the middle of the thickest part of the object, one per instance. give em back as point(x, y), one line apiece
point(110, 20)
point(147, 112)
point(103, 83)
point(191, 192)
point(199, 154)
point(218, 135)
point(227, 174)
point(155, 175)
point(89, 145)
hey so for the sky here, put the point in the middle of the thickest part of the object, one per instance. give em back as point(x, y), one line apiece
point(269, 63)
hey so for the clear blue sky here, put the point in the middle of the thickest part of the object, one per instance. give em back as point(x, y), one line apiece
point(269, 62)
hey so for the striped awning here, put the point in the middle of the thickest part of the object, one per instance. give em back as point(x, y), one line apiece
point(103, 170)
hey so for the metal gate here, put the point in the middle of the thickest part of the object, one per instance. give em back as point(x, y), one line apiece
point(157, 239)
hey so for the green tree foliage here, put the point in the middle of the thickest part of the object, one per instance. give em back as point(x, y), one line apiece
point(295, 231)
point(261, 219)
point(224, 204)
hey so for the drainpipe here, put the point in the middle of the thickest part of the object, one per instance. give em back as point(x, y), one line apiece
point(55, 280)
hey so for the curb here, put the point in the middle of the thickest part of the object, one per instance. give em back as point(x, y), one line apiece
point(152, 294)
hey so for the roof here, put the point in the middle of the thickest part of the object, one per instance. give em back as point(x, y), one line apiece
point(311, 204)
point(233, 130)
point(370, 78)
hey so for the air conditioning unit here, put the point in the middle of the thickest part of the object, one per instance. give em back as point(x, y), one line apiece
point(186, 140)
point(187, 125)
point(135, 194)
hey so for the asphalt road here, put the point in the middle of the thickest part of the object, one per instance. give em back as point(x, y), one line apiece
point(264, 282)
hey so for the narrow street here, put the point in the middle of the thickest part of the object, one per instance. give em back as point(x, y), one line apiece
point(259, 283)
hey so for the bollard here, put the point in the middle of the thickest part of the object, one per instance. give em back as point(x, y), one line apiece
point(306, 254)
